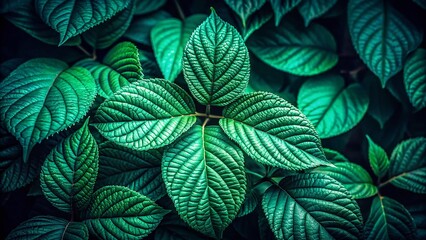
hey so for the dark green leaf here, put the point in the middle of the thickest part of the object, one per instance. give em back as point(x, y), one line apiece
point(311, 9)
point(140, 28)
point(256, 22)
point(147, 6)
point(334, 156)
point(282, 7)
point(415, 78)
point(245, 8)
point(379, 160)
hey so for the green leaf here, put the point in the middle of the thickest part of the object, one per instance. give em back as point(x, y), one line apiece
point(205, 178)
point(415, 78)
point(389, 219)
point(149, 64)
point(295, 49)
point(273, 132)
point(381, 35)
point(69, 173)
point(330, 106)
point(407, 168)
point(311, 9)
point(311, 206)
point(49, 227)
point(216, 63)
point(169, 37)
point(71, 18)
point(48, 91)
point(146, 115)
point(119, 68)
point(120, 213)
point(421, 3)
point(379, 160)
point(256, 22)
point(147, 6)
point(245, 8)
point(137, 170)
point(353, 177)
point(249, 204)
point(10, 149)
point(282, 7)
point(334, 156)
point(174, 228)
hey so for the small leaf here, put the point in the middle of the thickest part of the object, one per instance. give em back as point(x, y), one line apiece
point(120, 213)
point(379, 160)
point(415, 78)
point(311, 9)
point(282, 7)
point(147, 6)
point(205, 178)
point(311, 206)
point(146, 115)
point(49, 227)
point(273, 132)
point(407, 168)
point(169, 37)
point(330, 106)
point(137, 170)
point(216, 63)
point(389, 219)
point(48, 92)
point(245, 8)
point(382, 36)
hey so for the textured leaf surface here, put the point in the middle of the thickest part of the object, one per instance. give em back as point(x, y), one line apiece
point(216, 63)
point(205, 178)
point(407, 168)
point(282, 7)
point(137, 170)
point(120, 213)
point(330, 106)
point(53, 96)
point(295, 49)
point(311, 206)
point(245, 8)
point(146, 115)
point(169, 38)
point(71, 18)
point(49, 227)
point(415, 78)
point(379, 160)
point(389, 219)
point(273, 132)
point(69, 173)
point(311, 9)
point(381, 36)
point(119, 68)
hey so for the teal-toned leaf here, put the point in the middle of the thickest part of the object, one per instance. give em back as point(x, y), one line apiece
point(9, 65)
point(381, 35)
point(10, 5)
point(174, 228)
point(216, 63)
point(249, 204)
point(330, 106)
point(379, 160)
point(295, 49)
point(204, 176)
point(334, 156)
point(120, 213)
point(282, 7)
point(10, 149)
point(421, 3)
point(389, 219)
point(256, 22)
point(353, 177)
point(49, 227)
point(169, 37)
point(407, 168)
point(273, 132)
point(69, 173)
point(147, 6)
point(137, 170)
point(245, 8)
point(40, 98)
point(106, 33)
point(149, 64)
point(311, 206)
point(71, 18)
point(415, 78)
point(119, 68)
point(311, 9)
point(146, 115)
point(418, 212)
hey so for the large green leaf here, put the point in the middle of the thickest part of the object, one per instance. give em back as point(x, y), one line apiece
point(295, 49)
point(49, 227)
point(379, 160)
point(381, 35)
point(273, 132)
point(146, 115)
point(69, 173)
point(311, 9)
point(407, 168)
point(389, 219)
point(282, 7)
point(137, 170)
point(44, 96)
point(120, 213)
point(216, 63)
point(119, 68)
point(415, 78)
point(169, 37)
point(205, 178)
point(71, 18)
point(311, 206)
point(330, 106)
point(245, 8)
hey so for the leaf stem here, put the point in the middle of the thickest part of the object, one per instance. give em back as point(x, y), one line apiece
point(179, 9)
point(197, 114)
point(84, 50)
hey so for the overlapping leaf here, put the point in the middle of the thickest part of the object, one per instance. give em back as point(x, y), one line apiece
point(147, 6)
point(334, 156)
point(379, 160)
point(282, 7)
point(245, 8)
point(311, 9)
point(140, 28)
point(255, 22)
point(415, 78)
